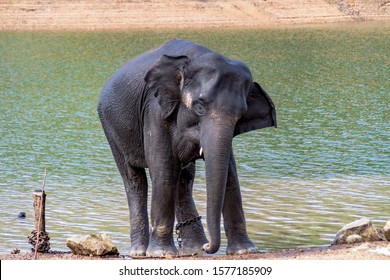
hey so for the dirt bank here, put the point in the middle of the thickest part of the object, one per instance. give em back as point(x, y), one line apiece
point(135, 14)
point(360, 251)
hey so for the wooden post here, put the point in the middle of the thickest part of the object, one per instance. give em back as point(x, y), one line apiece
point(39, 211)
point(39, 238)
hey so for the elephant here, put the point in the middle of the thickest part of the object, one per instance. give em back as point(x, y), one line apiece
point(165, 109)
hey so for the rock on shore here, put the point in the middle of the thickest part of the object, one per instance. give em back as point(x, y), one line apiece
point(360, 230)
point(387, 230)
point(92, 245)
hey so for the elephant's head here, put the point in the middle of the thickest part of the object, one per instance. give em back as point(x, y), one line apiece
point(210, 99)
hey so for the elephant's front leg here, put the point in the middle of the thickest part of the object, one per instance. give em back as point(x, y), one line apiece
point(233, 216)
point(189, 225)
point(164, 181)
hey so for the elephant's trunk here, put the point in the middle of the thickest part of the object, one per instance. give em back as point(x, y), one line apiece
point(216, 141)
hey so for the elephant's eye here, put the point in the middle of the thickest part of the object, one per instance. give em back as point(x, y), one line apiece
point(199, 107)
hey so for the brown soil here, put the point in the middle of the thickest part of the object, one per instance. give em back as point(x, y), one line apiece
point(360, 251)
point(136, 14)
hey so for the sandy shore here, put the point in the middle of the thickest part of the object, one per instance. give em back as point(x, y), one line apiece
point(136, 14)
point(359, 251)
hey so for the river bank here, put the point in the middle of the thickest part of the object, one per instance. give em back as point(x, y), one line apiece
point(163, 14)
point(379, 250)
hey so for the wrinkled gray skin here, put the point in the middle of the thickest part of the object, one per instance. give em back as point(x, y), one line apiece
point(165, 109)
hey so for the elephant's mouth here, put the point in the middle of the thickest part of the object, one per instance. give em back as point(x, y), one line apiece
point(196, 156)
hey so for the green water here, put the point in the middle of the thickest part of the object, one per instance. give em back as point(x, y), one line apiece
point(327, 163)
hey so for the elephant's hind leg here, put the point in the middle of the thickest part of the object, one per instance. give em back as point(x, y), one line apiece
point(136, 187)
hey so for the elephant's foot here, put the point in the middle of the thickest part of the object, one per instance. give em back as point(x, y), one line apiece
point(192, 246)
point(242, 247)
point(191, 237)
point(162, 251)
point(138, 251)
point(161, 243)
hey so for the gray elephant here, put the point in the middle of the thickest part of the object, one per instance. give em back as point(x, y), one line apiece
point(165, 109)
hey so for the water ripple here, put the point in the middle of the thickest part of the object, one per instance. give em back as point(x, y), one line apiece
point(325, 165)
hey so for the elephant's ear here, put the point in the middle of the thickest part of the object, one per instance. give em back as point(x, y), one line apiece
point(261, 111)
point(165, 80)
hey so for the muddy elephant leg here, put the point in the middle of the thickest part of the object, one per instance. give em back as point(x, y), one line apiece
point(189, 224)
point(233, 216)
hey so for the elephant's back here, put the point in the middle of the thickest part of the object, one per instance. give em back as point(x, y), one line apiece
point(130, 77)
point(179, 47)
